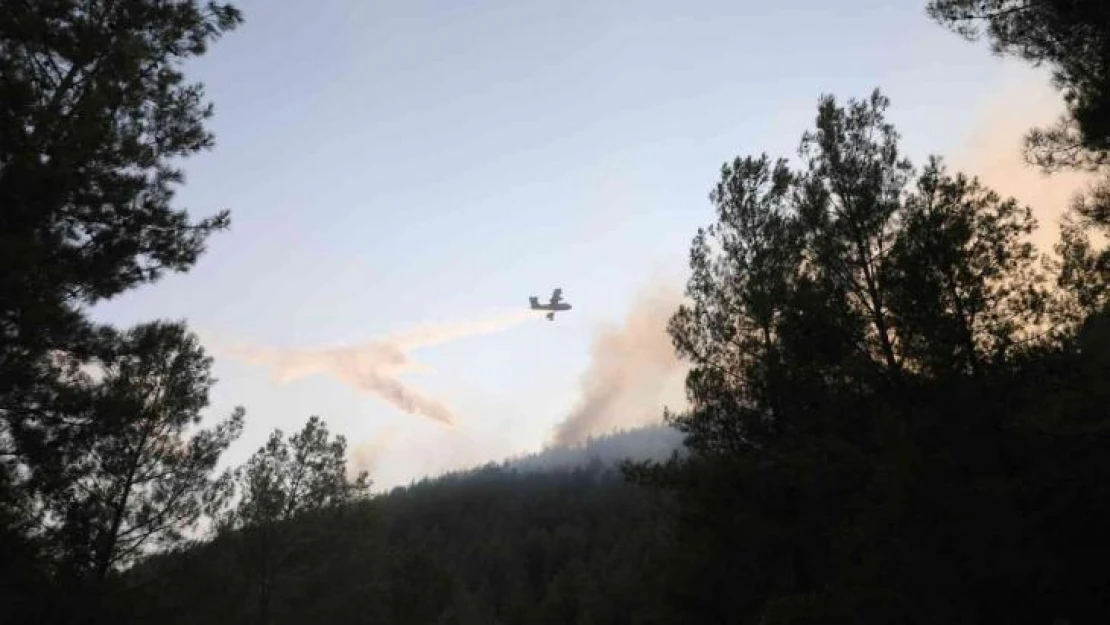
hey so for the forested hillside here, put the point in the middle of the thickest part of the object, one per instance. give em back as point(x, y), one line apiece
point(573, 543)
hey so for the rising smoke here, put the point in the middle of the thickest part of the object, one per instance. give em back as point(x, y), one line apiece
point(633, 374)
point(373, 367)
point(993, 153)
point(365, 455)
point(634, 371)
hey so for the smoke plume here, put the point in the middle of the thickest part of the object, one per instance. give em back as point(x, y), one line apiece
point(373, 367)
point(994, 153)
point(365, 455)
point(633, 374)
point(634, 371)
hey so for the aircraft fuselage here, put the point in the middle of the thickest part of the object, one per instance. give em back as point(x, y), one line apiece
point(539, 306)
point(556, 304)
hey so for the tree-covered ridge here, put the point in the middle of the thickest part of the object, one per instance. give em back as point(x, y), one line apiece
point(650, 442)
point(493, 544)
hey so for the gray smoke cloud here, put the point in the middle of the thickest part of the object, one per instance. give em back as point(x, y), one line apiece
point(633, 373)
point(373, 367)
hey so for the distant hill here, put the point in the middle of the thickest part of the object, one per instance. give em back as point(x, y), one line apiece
point(651, 442)
point(654, 442)
point(553, 537)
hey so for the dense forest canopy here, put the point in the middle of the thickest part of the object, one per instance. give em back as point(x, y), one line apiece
point(490, 545)
point(898, 406)
point(887, 388)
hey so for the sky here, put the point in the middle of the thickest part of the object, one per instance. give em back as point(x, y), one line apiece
point(398, 164)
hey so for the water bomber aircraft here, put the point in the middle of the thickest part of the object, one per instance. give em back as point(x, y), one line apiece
point(556, 303)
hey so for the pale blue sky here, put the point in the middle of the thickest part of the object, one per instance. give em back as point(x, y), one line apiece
point(394, 163)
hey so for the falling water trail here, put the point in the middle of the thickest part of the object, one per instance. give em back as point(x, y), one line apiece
point(373, 367)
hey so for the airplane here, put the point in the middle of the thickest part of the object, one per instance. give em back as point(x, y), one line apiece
point(556, 303)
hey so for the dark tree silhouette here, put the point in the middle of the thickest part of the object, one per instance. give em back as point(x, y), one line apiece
point(1072, 38)
point(281, 481)
point(573, 544)
point(864, 339)
point(138, 476)
point(95, 116)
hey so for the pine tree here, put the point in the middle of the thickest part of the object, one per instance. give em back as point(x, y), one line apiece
point(1070, 37)
point(139, 476)
point(95, 115)
point(284, 480)
point(860, 333)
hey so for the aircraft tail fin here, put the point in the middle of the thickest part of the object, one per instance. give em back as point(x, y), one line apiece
point(534, 301)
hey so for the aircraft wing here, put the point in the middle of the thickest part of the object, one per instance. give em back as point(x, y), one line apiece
point(556, 296)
